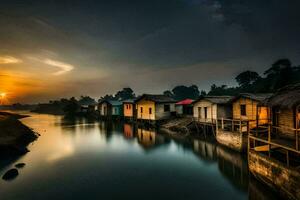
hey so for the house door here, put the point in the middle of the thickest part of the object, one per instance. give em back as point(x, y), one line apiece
point(205, 113)
point(104, 110)
point(199, 112)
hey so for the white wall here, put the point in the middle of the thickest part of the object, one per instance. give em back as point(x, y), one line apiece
point(211, 111)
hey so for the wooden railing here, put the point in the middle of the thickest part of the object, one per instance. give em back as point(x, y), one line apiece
point(267, 137)
point(233, 125)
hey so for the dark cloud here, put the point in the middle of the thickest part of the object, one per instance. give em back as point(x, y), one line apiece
point(120, 37)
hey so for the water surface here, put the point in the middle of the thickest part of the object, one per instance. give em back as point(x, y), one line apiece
point(82, 159)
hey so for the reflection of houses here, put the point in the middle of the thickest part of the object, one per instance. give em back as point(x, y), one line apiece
point(129, 109)
point(184, 107)
point(128, 131)
point(205, 150)
point(233, 166)
point(208, 109)
point(234, 132)
point(274, 155)
point(146, 137)
point(154, 107)
point(109, 108)
point(149, 139)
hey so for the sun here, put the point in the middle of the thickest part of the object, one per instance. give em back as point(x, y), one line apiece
point(3, 95)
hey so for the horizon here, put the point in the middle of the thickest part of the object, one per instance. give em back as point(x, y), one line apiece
point(63, 49)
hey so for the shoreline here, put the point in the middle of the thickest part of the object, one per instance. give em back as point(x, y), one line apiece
point(14, 135)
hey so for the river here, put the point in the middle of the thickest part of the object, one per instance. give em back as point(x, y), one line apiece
point(82, 159)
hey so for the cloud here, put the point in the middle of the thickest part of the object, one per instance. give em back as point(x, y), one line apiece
point(64, 67)
point(9, 60)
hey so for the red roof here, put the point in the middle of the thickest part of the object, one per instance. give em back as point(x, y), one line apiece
point(185, 102)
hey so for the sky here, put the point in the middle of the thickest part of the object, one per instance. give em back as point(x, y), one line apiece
point(59, 48)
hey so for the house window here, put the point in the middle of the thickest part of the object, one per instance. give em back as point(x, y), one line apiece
point(166, 108)
point(199, 112)
point(150, 111)
point(243, 110)
point(129, 106)
point(116, 110)
point(141, 109)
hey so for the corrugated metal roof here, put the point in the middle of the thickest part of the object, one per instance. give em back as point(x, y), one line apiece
point(185, 102)
point(112, 102)
point(158, 98)
point(261, 97)
point(216, 99)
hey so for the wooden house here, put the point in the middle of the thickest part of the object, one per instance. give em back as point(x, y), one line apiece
point(129, 109)
point(245, 108)
point(110, 108)
point(184, 107)
point(210, 108)
point(273, 150)
point(154, 107)
point(233, 132)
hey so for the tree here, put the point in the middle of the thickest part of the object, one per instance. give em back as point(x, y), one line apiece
point(125, 93)
point(86, 100)
point(72, 107)
point(168, 93)
point(279, 74)
point(183, 92)
point(245, 79)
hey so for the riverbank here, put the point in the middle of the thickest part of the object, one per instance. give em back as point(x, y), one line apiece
point(14, 135)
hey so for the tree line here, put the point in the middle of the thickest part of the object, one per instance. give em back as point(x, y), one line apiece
point(278, 75)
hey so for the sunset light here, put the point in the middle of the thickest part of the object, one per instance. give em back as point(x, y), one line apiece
point(159, 99)
point(3, 95)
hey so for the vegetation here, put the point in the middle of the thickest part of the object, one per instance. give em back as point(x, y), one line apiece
point(183, 92)
point(14, 136)
point(124, 94)
point(280, 74)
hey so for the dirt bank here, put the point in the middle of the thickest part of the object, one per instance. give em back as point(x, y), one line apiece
point(14, 136)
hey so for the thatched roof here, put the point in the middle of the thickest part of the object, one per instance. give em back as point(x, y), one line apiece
point(260, 97)
point(157, 98)
point(286, 97)
point(216, 99)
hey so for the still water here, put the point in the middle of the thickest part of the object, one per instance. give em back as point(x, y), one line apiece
point(81, 159)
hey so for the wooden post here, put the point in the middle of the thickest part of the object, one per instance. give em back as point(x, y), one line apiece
point(241, 131)
point(217, 127)
point(297, 127)
point(287, 158)
point(222, 124)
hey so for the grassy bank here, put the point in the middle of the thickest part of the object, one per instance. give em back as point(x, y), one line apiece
point(14, 135)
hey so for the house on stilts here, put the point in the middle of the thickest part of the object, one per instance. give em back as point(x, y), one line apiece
point(273, 148)
point(233, 131)
point(129, 109)
point(154, 108)
point(109, 109)
point(207, 109)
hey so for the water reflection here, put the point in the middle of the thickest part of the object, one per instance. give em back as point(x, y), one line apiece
point(82, 156)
